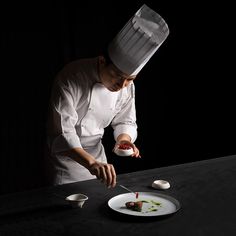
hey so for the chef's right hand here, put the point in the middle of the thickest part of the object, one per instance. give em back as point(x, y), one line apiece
point(105, 172)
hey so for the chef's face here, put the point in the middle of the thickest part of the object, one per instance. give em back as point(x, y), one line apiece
point(112, 78)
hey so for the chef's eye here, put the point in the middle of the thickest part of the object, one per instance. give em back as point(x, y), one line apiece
point(120, 77)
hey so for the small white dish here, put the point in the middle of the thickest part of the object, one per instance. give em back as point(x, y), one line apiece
point(77, 200)
point(124, 152)
point(161, 184)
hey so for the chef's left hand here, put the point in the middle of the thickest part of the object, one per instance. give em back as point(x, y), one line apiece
point(136, 153)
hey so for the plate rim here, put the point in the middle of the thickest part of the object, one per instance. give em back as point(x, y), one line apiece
point(165, 196)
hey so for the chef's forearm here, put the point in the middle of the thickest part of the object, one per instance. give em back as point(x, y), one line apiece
point(80, 156)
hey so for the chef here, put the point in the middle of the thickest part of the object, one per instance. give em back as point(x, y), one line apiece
point(90, 94)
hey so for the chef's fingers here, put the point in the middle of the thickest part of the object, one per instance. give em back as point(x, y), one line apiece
point(136, 152)
point(113, 175)
point(103, 174)
point(110, 175)
point(107, 169)
point(96, 170)
point(107, 174)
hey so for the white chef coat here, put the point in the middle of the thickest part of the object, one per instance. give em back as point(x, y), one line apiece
point(81, 107)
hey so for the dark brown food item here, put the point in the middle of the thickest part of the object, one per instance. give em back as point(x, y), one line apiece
point(134, 206)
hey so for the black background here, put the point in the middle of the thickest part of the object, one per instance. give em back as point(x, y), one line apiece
point(184, 95)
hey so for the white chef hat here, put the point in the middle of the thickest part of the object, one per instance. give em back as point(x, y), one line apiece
point(138, 40)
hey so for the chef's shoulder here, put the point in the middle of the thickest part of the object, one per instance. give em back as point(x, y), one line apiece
point(77, 71)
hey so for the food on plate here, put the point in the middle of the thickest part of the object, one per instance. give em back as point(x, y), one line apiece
point(138, 206)
point(134, 206)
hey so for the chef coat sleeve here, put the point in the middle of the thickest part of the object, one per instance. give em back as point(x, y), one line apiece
point(63, 118)
point(125, 119)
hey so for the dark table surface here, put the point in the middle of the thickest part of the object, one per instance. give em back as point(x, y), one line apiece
point(206, 191)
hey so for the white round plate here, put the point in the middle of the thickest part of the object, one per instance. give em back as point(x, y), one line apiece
point(168, 204)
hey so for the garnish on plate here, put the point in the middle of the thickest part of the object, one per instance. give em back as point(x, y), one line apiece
point(140, 206)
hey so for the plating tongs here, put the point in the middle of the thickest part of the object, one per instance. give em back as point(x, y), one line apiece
point(129, 190)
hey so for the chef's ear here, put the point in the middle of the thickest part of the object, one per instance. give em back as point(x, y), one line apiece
point(102, 60)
